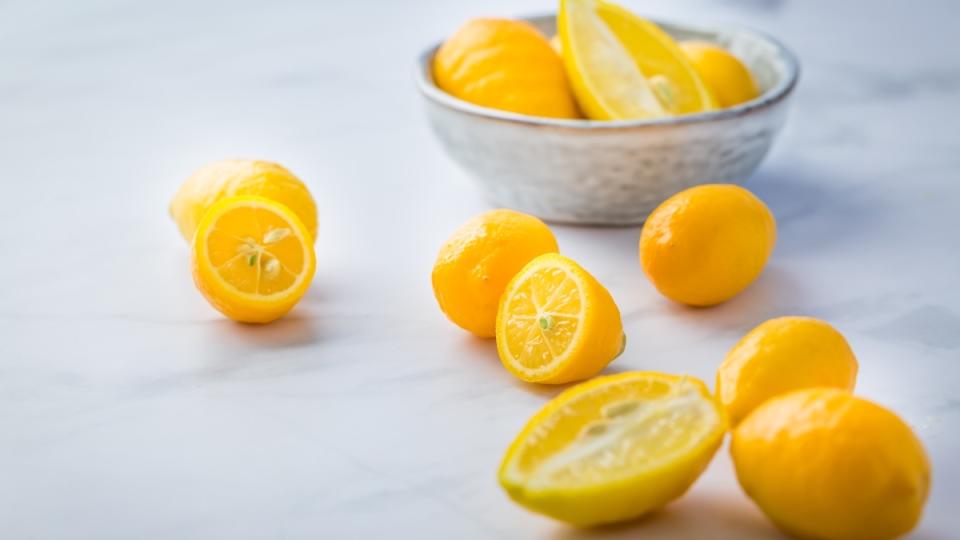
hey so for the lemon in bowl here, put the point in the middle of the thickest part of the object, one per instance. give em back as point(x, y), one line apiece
point(505, 64)
point(615, 172)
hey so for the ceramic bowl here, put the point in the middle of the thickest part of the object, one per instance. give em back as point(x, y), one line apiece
point(614, 173)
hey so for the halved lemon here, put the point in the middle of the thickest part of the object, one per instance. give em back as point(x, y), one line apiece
point(556, 323)
point(252, 258)
point(623, 67)
point(614, 448)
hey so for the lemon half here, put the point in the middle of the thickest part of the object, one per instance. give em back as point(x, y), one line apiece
point(614, 448)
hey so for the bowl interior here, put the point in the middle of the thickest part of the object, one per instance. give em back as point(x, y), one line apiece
point(773, 66)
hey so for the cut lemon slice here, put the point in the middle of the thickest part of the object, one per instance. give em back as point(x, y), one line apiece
point(556, 323)
point(252, 258)
point(623, 67)
point(607, 82)
point(614, 448)
point(675, 81)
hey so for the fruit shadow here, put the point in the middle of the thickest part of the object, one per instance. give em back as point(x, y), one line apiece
point(694, 516)
point(597, 246)
point(777, 292)
point(299, 328)
point(550, 391)
point(293, 330)
point(487, 350)
point(815, 210)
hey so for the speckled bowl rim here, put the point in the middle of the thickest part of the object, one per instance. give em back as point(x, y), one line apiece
point(424, 78)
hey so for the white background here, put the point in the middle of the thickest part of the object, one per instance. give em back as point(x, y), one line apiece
point(130, 409)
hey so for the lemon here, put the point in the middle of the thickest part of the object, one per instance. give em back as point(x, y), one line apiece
point(507, 65)
point(704, 245)
point(557, 323)
point(780, 355)
point(614, 448)
point(228, 178)
point(606, 81)
point(252, 258)
point(624, 67)
point(557, 44)
point(822, 463)
point(727, 77)
point(674, 79)
point(479, 259)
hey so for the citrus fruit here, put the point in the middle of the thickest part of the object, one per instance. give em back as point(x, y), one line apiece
point(477, 261)
point(823, 463)
point(605, 79)
point(705, 244)
point(507, 65)
point(557, 323)
point(623, 67)
point(676, 83)
point(727, 77)
point(557, 44)
point(252, 258)
point(780, 355)
point(614, 448)
point(228, 178)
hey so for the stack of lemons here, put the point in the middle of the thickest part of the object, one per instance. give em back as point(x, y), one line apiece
point(251, 226)
point(606, 63)
point(819, 461)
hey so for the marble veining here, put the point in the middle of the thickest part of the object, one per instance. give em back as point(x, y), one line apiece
point(129, 409)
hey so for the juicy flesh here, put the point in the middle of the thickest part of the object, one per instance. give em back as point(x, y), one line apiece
point(613, 75)
point(544, 312)
point(672, 79)
point(255, 251)
point(616, 432)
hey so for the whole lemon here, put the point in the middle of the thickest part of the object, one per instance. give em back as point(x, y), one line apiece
point(507, 65)
point(705, 244)
point(727, 77)
point(228, 178)
point(823, 463)
point(476, 263)
point(781, 355)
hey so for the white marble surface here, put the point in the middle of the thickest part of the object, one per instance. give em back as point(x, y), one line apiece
point(130, 409)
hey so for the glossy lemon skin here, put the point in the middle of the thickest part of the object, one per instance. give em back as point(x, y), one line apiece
point(238, 306)
point(504, 64)
point(599, 336)
point(782, 355)
point(823, 463)
point(621, 497)
point(727, 77)
point(706, 244)
point(476, 263)
point(234, 177)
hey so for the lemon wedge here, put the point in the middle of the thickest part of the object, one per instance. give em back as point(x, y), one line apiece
point(623, 67)
point(614, 448)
